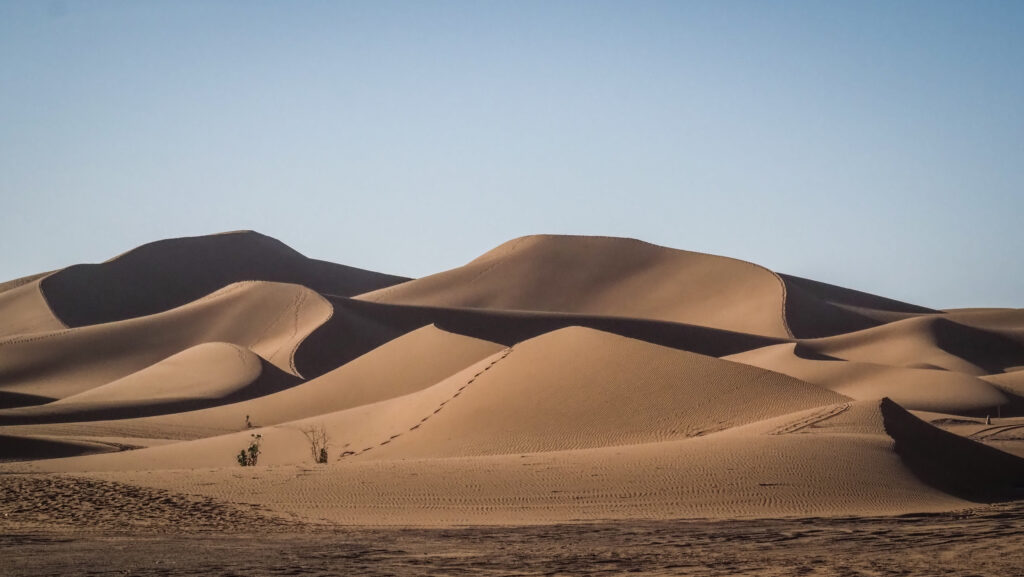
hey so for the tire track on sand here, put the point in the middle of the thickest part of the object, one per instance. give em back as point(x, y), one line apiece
point(812, 419)
point(991, 432)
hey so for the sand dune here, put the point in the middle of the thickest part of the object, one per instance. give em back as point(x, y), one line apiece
point(170, 273)
point(202, 376)
point(1011, 383)
point(554, 379)
point(920, 389)
point(629, 278)
point(579, 388)
point(926, 342)
point(606, 276)
point(267, 318)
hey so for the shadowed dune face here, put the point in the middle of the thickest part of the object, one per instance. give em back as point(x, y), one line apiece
point(553, 379)
point(815, 309)
point(21, 448)
point(951, 463)
point(9, 400)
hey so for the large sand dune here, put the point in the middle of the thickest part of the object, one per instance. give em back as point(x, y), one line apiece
point(553, 379)
point(630, 278)
point(169, 273)
point(607, 276)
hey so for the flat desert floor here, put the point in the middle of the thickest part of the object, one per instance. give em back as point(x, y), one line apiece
point(559, 405)
point(205, 539)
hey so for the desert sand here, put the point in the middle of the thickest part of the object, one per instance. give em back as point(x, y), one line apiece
point(559, 404)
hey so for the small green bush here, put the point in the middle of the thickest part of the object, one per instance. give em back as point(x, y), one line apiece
point(249, 457)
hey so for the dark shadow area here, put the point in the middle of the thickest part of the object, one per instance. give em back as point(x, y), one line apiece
point(162, 275)
point(811, 317)
point(844, 296)
point(992, 352)
point(950, 463)
point(31, 449)
point(804, 352)
point(10, 400)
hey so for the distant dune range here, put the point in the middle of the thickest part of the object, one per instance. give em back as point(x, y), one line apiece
point(552, 379)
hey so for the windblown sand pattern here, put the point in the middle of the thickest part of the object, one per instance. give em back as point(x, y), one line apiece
point(551, 380)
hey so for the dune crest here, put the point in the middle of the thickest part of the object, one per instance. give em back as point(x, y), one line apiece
point(24, 309)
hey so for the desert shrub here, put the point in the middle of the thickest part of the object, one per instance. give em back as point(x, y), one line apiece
point(318, 439)
point(248, 457)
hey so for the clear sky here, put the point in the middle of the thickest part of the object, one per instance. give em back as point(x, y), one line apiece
point(874, 145)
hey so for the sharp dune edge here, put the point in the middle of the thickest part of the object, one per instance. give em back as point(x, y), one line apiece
point(553, 379)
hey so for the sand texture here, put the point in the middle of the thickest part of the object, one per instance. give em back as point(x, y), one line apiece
point(552, 380)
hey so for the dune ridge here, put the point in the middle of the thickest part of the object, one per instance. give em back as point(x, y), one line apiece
point(24, 308)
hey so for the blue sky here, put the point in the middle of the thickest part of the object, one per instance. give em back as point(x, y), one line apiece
point(874, 145)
